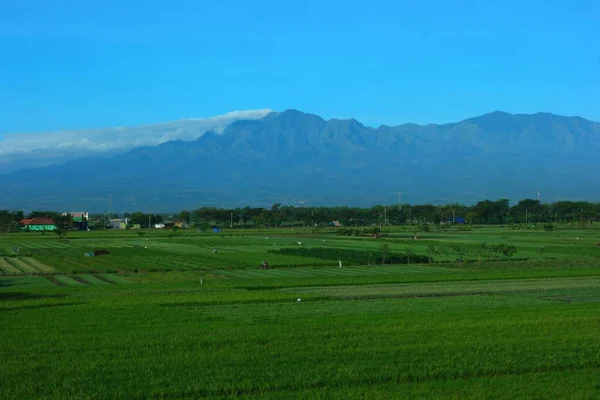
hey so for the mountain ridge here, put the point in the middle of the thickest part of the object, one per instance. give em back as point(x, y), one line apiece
point(292, 156)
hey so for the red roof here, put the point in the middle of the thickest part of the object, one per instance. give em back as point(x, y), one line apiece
point(36, 221)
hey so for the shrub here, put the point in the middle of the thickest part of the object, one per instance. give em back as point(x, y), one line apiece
point(362, 232)
point(353, 257)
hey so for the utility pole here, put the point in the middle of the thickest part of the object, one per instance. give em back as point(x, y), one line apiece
point(385, 221)
point(526, 216)
point(453, 216)
point(149, 220)
point(231, 220)
point(190, 218)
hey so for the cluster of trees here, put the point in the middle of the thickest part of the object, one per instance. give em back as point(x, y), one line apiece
point(484, 212)
point(9, 221)
point(362, 232)
point(98, 221)
point(483, 251)
point(142, 219)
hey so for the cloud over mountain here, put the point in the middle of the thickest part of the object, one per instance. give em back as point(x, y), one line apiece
point(19, 150)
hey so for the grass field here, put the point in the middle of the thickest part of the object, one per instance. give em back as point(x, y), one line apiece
point(167, 318)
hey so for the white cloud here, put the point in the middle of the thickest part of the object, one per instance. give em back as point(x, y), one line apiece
point(20, 150)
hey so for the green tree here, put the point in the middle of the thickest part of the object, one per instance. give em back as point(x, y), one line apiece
point(459, 250)
point(63, 225)
point(185, 215)
point(527, 210)
point(385, 252)
point(409, 254)
point(5, 221)
point(204, 227)
point(431, 251)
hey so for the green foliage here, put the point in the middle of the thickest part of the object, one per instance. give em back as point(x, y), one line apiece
point(352, 257)
point(204, 227)
point(362, 232)
point(385, 252)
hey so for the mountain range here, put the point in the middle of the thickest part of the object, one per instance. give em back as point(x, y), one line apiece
point(297, 158)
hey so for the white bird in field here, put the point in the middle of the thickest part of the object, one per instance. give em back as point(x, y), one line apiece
point(299, 300)
point(300, 243)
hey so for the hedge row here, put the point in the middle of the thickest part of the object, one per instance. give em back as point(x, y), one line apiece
point(353, 257)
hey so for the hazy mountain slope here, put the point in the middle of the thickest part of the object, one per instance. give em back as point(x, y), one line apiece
point(31, 150)
point(292, 156)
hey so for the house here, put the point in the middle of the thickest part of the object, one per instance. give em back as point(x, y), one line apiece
point(38, 224)
point(118, 223)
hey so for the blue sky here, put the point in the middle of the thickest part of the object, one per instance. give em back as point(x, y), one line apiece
point(84, 64)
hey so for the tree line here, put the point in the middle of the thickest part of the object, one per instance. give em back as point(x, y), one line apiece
point(484, 212)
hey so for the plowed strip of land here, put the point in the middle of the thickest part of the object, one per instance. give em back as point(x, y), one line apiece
point(9, 269)
point(38, 265)
point(79, 279)
point(104, 279)
point(52, 279)
point(67, 280)
point(94, 280)
point(23, 266)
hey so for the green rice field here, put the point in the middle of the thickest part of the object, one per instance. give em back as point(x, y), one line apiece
point(164, 317)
